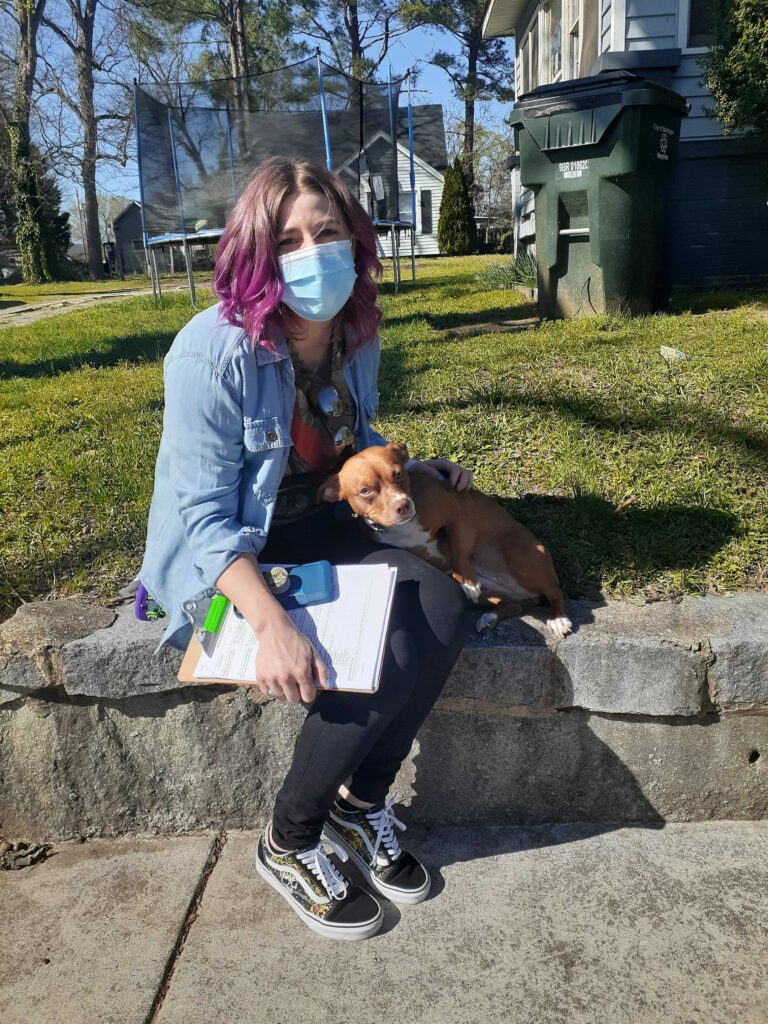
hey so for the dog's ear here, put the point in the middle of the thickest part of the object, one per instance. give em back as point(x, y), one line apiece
point(400, 450)
point(330, 489)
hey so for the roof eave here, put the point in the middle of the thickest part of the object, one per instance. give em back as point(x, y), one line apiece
point(501, 17)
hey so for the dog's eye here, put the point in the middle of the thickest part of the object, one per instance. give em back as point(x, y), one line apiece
point(398, 474)
point(365, 492)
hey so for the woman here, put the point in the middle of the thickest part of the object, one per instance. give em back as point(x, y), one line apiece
point(266, 393)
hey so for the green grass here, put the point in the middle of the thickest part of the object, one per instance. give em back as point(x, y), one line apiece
point(641, 478)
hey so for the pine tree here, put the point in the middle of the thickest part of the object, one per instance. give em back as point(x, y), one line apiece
point(456, 229)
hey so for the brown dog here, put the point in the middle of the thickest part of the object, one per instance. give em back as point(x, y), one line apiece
point(489, 553)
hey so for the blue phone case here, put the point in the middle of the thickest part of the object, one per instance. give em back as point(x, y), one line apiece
point(309, 584)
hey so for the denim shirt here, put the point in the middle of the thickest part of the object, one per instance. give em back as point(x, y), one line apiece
point(223, 451)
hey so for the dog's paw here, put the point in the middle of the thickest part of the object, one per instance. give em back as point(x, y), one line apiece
point(560, 626)
point(486, 622)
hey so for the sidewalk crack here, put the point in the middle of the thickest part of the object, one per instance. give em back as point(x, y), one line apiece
point(190, 917)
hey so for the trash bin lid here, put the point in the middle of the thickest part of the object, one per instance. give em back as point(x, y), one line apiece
point(592, 103)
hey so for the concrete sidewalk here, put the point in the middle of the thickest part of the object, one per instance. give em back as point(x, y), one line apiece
point(572, 924)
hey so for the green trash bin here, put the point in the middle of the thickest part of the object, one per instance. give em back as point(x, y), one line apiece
point(598, 154)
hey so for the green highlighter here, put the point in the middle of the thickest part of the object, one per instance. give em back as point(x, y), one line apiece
point(216, 613)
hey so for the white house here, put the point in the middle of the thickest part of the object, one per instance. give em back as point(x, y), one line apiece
point(430, 161)
point(717, 218)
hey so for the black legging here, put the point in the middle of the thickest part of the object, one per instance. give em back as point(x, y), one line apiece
point(352, 738)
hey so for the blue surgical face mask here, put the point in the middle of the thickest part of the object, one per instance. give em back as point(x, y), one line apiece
point(318, 280)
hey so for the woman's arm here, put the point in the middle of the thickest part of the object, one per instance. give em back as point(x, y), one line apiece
point(286, 662)
point(203, 427)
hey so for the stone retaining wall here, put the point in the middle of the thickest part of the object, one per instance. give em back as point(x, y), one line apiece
point(646, 713)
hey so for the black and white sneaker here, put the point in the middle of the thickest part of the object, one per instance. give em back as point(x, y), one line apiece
point(368, 837)
point(318, 892)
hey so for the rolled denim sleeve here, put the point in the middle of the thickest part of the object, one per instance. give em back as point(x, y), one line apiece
point(204, 426)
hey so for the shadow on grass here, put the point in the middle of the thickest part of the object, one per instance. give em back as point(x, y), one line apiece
point(710, 424)
point(134, 348)
point(446, 321)
point(590, 542)
point(11, 303)
point(716, 299)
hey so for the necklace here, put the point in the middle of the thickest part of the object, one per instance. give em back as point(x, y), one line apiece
point(307, 368)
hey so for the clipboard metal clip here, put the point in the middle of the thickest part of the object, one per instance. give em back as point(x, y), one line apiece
point(196, 609)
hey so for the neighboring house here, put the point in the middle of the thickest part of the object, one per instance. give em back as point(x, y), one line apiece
point(430, 161)
point(129, 244)
point(717, 218)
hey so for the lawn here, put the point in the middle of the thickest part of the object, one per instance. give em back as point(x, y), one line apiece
point(644, 478)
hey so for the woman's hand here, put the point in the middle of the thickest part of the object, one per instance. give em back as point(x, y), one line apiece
point(287, 664)
point(457, 476)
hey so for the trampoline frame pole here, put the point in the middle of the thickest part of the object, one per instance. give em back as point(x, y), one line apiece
point(413, 182)
point(393, 138)
point(144, 235)
point(155, 275)
point(324, 113)
point(190, 274)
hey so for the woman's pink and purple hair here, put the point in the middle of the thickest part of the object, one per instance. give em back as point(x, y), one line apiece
point(247, 279)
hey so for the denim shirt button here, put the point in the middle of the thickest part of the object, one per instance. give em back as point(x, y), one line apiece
point(271, 435)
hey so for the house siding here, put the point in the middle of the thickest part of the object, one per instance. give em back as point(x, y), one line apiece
point(127, 229)
point(426, 245)
point(686, 80)
point(651, 24)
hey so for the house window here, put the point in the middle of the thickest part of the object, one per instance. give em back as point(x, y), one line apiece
point(573, 54)
point(590, 17)
point(555, 31)
point(530, 54)
point(701, 23)
point(535, 79)
point(406, 213)
point(426, 211)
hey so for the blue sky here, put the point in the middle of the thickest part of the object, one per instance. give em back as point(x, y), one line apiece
point(410, 51)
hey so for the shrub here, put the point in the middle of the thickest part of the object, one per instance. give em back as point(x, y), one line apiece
point(456, 229)
point(521, 270)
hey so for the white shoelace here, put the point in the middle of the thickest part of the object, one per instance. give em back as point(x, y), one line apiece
point(383, 821)
point(324, 870)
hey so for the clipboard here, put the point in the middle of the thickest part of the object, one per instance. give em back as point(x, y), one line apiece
point(333, 635)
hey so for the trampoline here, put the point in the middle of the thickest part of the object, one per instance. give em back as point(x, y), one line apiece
point(198, 142)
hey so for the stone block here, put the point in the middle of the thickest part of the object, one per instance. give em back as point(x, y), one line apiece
point(31, 641)
point(120, 661)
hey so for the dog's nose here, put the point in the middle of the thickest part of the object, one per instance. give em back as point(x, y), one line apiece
point(403, 507)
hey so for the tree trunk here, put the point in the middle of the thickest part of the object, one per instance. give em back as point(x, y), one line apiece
point(238, 51)
point(30, 237)
point(352, 21)
point(468, 156)
point(84, 60)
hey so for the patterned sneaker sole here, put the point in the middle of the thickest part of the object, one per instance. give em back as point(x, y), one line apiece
point(329, 931)
point(405, 896)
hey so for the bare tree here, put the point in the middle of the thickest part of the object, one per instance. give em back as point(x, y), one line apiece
point(79, 129)
point(493, 145)
point(359, 33)
point(238, 38)
point(30, 237)
point(482, 71)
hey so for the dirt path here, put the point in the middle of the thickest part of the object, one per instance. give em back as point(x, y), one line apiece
point(19, 316)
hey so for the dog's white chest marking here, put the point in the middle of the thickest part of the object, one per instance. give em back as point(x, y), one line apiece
point(411, 536)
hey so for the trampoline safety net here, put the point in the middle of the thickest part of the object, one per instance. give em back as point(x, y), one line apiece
point(198, 142)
